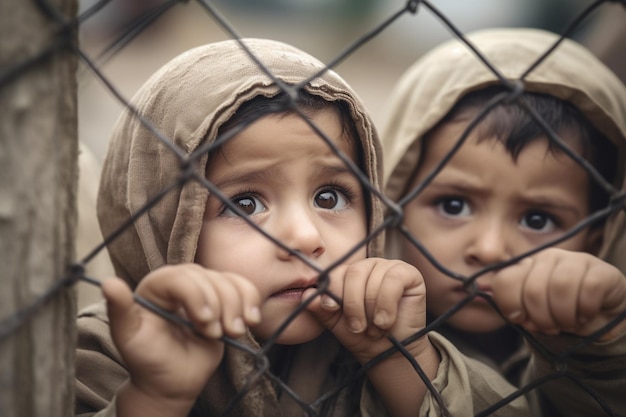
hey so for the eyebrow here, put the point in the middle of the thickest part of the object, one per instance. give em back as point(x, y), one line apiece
point(269, 174)
point(547, 203)
point(542, 202)
point(454, 185)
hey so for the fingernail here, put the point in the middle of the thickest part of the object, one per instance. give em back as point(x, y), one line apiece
point(381, 318)
point(355, 325)
point(329, 302)
point(206, 313)
point(214, 330)
point(254, 314)
point(515, 316)
point(239, 326)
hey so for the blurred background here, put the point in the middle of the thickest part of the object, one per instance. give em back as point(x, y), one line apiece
point(323, 28)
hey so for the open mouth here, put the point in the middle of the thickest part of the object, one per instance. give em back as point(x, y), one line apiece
point(294, 292)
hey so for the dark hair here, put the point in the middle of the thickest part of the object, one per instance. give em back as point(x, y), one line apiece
point(307, 103)
point(512, 125)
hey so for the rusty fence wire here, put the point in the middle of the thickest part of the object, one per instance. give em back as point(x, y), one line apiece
point(9, 325)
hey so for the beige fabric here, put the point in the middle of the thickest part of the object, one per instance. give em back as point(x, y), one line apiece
point(467, 386)
point(100, 371)
point(187, 100)
point(431, 87)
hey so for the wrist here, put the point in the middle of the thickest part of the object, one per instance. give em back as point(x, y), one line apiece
point(424, 353)
point(398, 383)
point(133, 401)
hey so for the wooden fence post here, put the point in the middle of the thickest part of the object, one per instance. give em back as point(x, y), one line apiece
point(38, 159)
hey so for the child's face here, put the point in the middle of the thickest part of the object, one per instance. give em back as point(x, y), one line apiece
point(296, 189)
point(484, 208)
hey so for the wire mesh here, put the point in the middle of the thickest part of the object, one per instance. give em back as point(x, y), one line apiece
point(393, 220)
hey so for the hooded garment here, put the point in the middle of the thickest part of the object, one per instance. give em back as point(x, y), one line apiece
point(187, 100)
point(431, 87)
point(434, 84)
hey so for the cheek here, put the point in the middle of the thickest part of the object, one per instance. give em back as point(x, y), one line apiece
point(414, 256)
point(341, 237)
point(223, 249)
point(438, 284)
point(430, 273)
point(420, 220)
point(434, 239)
point(581, 242)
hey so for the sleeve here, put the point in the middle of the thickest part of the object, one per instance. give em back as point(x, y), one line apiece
point(99, 368)
point(591, 381)
point(465, 386)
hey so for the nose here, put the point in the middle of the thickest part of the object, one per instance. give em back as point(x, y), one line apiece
point(299, 230)
point(488, 245)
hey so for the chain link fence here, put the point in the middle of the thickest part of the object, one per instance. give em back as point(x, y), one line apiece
point(9, 326)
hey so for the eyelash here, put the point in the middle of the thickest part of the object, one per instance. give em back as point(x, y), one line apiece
point(248, 193)
point(556, 221)
point(439, 200)
point(347, 190)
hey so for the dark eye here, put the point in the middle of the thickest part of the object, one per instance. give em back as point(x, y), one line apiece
point(248, 204)
point(453, 206)
point(538, 221)
point(330, 199)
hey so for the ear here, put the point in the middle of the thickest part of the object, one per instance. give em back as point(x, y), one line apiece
point(594, 240)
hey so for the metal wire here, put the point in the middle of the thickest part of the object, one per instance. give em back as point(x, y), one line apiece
point(76, 272)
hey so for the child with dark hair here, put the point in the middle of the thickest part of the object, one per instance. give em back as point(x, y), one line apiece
point(485, 169)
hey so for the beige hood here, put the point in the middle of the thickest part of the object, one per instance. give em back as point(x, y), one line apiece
point(187, 100)
point(431, 87)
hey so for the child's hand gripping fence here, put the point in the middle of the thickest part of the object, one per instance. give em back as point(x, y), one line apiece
point(9, 326)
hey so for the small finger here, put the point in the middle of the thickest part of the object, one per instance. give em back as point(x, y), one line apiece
point(121, 308)
point(250, 298)
point(327, 315)
point(563, 294)
point(355, 281)
point(232, 308)
point(603, 289)
point(391, 285)
point(507, 288)
point(173, 288)
point(535, 296)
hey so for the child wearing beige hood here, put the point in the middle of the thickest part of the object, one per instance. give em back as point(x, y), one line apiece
point(231, 198)
point(482, 184)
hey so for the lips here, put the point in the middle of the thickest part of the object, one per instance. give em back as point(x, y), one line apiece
point(295, 289)
point(485, 289)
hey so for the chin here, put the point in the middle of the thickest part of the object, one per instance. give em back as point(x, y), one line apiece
point(301, 330)
point(476, 323)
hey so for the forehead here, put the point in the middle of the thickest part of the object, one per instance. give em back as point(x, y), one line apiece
point(283, 137)
point(485, 161)
point(446, 137)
